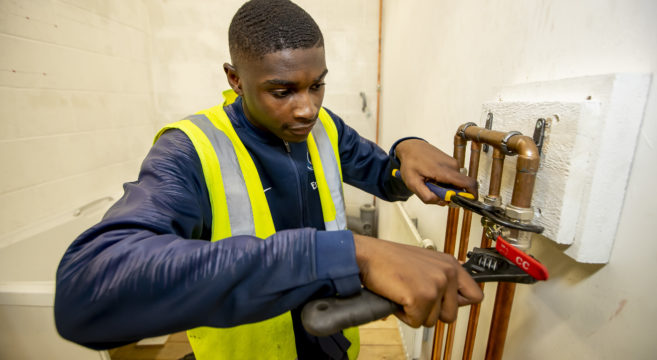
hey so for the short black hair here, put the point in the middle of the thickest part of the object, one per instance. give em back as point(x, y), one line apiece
point(262, 27)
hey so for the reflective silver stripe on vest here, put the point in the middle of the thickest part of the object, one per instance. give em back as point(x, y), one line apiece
point(237, 196)
point(332, 175)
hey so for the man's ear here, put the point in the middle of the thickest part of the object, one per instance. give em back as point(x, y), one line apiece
point(233, 78)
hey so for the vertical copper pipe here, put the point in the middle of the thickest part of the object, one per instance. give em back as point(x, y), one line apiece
point(450, 327)
point(459, 150)
point(473, 320)
point(523, 188)
point(500, 320)
point(438, 341)
point(378, 84)
point(378, 75)
point(450, 243)
point(475, 152)
point(465, 235)
point(526, 168)
point(449, 341)
point(450, 240)
point(496, 173)
point(493, 192)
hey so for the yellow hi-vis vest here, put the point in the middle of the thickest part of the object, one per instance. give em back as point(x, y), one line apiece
point(239, 207)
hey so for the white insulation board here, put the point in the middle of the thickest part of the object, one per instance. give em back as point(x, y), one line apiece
point(590, 138)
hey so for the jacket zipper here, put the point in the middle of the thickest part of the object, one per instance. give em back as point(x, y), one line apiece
point(296, 176)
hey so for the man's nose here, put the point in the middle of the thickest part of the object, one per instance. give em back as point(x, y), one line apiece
point(305, 107)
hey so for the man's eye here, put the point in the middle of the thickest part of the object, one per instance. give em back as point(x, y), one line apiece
point(317, 86)
point(280, 93)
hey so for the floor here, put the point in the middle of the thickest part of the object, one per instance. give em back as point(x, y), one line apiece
point(380, 340)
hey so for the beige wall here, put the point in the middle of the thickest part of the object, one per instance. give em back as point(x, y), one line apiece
point(84, 85)
point(190, 45)
point(76, 108)
point(443, 59)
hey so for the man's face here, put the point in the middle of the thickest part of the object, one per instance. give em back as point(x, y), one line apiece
point(283, 92)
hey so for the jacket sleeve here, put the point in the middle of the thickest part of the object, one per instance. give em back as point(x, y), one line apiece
point(147, 268)
point(366, 166)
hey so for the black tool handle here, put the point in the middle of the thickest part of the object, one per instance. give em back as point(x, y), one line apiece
point(325, 317)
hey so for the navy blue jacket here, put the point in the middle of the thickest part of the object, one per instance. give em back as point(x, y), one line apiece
point(148, 268)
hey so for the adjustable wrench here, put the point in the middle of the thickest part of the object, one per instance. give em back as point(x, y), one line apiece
point(324, 317)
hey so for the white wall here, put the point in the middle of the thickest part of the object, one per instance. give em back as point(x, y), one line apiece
point(190, 46)
point(84, 86)
point(75, 105)
point(443, 59)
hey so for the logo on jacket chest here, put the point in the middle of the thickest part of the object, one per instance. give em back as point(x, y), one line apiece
point(309, 164)
point(311, 175)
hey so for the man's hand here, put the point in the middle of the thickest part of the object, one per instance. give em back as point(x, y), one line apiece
point(429, 285)
point(421, 162)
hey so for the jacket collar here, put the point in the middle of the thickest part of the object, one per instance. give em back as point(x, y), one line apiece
point(235, 112)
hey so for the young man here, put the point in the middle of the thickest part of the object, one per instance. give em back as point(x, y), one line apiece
point(261, 177)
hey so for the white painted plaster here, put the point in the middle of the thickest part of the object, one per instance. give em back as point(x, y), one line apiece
point(443, 59)
point(85, 85)
point(76, 111)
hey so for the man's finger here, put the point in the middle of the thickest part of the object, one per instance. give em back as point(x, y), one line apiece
point(411, 320)
point(469, 291)
point(450, 303)
point(420, 189)
point(459, 180)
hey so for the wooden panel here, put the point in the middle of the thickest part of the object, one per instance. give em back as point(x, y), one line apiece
point(381, 352)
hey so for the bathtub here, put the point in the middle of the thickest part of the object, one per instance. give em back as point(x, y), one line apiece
point(28, 261)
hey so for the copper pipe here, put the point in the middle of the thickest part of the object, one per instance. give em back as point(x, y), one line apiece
point(475, 152)
point(493, 192)
point(378, 84)
point(449, 341)
point(473, 320)
point(450, 235)
point(465, 235)
point(438, 340)
point(471, 332)
point(450, 244)
point(523, 188)
point(526, 166)
point(496, 173)
point(500, 320)
point(378, 74)
point(459, 150)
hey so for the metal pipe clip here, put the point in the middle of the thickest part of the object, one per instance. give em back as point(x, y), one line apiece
point(505, 141)
point(464, 127)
